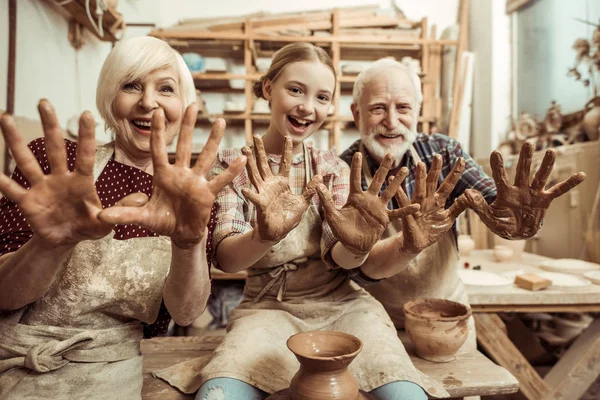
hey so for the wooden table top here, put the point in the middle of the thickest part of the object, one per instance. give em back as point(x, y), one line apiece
point(514, 298)
point(469, 375)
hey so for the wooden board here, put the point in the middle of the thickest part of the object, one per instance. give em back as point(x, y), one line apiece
point(469, 375)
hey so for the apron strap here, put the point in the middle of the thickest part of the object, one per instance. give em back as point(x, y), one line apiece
point(103, 155)
point(278, 275)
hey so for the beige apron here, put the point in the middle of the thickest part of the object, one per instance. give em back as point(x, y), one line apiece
point(81, 340)
point(433, 273)
point(291, 290)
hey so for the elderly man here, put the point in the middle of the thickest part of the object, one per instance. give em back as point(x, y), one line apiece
point(416, 256)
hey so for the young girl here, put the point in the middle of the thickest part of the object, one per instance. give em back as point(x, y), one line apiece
point(270, 224)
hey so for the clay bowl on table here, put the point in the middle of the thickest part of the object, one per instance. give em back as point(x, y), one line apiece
point(438, 328)
point(324, 357)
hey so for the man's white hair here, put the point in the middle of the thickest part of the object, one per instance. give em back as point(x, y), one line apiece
point(385, 64)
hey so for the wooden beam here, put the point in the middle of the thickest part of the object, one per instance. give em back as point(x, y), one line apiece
point(463, 44)
point(249, 84)
point(502, 350)
point(578, 368)
point(11, 73)
point(112, 22)
point(335, 132)
point(524, 308)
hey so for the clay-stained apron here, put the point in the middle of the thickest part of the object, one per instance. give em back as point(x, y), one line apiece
point(290, 290)
point(81, 340)
point(432, 274)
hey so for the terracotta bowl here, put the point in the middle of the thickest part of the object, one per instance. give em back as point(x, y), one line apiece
point(325, 346)
point(438, 328)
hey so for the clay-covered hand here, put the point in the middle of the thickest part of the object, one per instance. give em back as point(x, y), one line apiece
point(359, 224)
point(423, 228)
point(519, 209)
point(181, 196)
point(61, 207)
point(278, 210)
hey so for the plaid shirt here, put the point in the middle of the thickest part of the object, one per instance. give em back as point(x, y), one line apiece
point(427, 146)
point(237, 215)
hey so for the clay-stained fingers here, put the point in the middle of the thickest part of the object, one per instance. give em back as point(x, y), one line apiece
point(86, 145)
point(381, 174)
point(183, 152)
point(544, 171)
point(420, 183)
point(252, 196)
point(479, 205)
point(400, 194)
point(331, 212)
point(563, 187)
point(12, 189)
point(219, 182)
point(394, 183)
point(286, 158)
point(55, 143)
point(524, 165)
point(434, 175)
point(356, 173)
point(460, 205)
point(498, 171)
point(158, 145)
point(133, 200)
point(261, 157)
point(26, 161)
point(451, 180)
point(311, 188)
point(402, 212)
point(252, 169)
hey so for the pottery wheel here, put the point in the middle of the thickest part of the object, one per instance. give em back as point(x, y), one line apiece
point(284, 395)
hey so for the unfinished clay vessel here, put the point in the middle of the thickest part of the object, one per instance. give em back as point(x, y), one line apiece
point(438, 328)
point(324, 357)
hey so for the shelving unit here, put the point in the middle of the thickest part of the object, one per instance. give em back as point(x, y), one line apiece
point(360, 34)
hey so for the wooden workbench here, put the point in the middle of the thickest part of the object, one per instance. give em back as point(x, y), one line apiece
point(576, 369)
point(471, 374)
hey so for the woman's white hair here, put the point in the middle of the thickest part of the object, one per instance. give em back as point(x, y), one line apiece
point(385, 64)
point(133, 59)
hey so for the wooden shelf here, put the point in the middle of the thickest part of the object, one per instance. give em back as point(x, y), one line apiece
point(359, 33)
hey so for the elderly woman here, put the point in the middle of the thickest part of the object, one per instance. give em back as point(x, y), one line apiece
point(93, 242)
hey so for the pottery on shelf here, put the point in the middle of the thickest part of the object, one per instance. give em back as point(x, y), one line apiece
point(517, 246)
point(591, 119)
point(324, 358)
point(437, 327)
point(466, 245)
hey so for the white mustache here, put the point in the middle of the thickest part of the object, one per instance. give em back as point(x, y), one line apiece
point(381, 130)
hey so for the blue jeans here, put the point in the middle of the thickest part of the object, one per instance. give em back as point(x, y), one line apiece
point(234, 389)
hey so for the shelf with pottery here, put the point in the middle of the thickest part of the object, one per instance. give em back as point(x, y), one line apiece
point(348, 34)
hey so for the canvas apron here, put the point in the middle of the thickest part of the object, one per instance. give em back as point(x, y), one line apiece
point(291, 290)
point(82, 339)
point(433, 274)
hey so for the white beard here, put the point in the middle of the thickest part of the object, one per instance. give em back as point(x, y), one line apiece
point(378, 151)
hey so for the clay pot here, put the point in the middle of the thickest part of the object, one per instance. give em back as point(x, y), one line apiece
point(502, 253)
point(466, 245)
point(324, 357)
point(591, 119)
point(438, 328)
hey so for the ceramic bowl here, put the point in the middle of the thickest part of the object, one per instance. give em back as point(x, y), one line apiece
point(503, 253)
point(438, 328)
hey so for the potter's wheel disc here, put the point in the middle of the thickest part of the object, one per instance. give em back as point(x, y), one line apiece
point(284, 395)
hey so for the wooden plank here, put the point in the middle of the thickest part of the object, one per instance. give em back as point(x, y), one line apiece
point(335, 132)
point(249, 84)
point(504, 352)
point(534, 308)
point(470, 374)
point(463, 44)
point(111, 21)
point(578, 368)
point(514, 5)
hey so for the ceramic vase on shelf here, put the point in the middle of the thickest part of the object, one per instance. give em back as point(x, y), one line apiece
point(591, 119)
point(466, 245)
point(324, 358)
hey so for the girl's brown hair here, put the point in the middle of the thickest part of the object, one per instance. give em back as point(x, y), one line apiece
point(293, 52)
